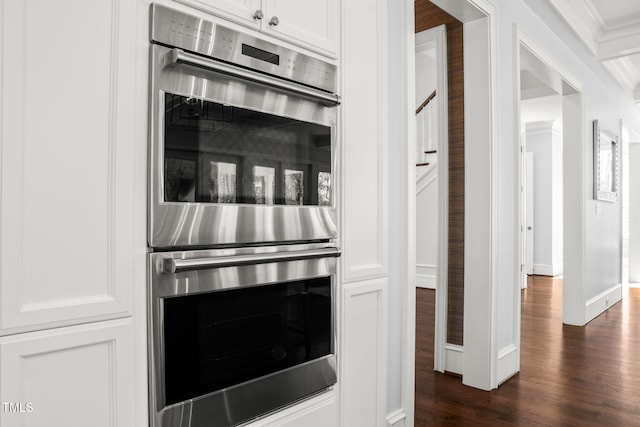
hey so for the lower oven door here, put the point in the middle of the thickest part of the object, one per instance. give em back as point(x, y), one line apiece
point(238, 333)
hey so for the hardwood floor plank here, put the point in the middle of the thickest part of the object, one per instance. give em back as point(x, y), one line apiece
point(569, 376)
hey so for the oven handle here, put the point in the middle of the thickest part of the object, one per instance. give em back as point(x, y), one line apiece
point(173, 265)
point(179, 56)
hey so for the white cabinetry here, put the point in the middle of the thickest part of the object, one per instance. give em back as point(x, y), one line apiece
point(73, 376)
point(313, 25)
point(67, 166)
point(363, 203)
point(72, 224)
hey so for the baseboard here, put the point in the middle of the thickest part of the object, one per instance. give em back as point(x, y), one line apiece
point(507, 363)
point(397, 418)
point(601, 303)
point(548, 269)
point(558, 269)
point(454, 358)
point(426, 276)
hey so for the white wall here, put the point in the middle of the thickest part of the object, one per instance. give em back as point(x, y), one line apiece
point(634, 213)
point(544, 140)
point(425, 74)
point(427, 232)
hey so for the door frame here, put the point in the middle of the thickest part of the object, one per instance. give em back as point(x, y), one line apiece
point(529, 223)
point(439, 36)
point(628, 136)
point(574, 171)
point(479, 18)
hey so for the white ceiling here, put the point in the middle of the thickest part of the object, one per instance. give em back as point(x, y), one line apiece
point(611, 30)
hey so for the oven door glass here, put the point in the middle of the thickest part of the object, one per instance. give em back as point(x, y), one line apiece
point(216, 153)
point(220, 339)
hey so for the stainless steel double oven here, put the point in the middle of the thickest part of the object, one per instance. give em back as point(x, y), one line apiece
point(242, 223)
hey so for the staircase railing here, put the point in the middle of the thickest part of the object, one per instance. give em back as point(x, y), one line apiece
point(426, 102)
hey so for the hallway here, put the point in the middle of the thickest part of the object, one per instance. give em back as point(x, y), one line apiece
point(569, 376)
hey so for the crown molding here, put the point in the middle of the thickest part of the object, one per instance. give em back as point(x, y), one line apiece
point(619, 43)
point(624, 72)
point(583, 19)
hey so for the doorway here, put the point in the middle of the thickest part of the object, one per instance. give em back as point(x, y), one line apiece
point(541, 121)
point(471, 318)
point(541, 83)
point(630, 161)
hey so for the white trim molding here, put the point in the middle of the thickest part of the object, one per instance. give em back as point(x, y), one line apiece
point(397, 418)
point(454, 359)
point(552, 270)
point(439, 36)
point(602, 302)
point(583, 18)
point(479, 18)
point(426, 276)
point(409, 232)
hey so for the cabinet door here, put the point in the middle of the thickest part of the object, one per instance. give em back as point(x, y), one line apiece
point(69, 172)
point(311, 24)
point(241, 11)
point(74, 376)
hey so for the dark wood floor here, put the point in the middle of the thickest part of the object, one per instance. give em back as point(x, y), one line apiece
point(570, 376)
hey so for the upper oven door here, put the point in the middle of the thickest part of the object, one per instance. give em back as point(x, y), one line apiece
point(237, 157)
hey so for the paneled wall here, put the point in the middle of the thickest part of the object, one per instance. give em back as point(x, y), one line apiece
point(428, 16)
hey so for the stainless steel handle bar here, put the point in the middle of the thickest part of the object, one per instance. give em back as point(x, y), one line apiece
point(179, 56)
point(172, 265)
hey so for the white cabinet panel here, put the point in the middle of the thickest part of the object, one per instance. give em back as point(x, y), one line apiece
point(312, 25)
point(363, 352)
point(241, 11)
point(75, 376)
point(315, 23)
point(67, 219)
point(364, 140)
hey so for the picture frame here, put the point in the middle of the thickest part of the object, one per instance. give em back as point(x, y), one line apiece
point(606, 153)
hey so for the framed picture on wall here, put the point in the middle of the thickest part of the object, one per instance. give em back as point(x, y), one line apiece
point(605, 164)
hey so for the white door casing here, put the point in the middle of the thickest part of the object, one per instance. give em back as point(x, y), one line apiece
point(439, 36)
point(634, 213)
point(573, 180)
point(529, 223)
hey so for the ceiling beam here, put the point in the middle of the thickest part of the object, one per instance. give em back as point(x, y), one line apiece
point(618, 47)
